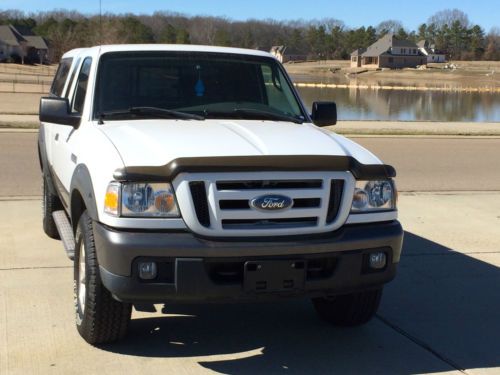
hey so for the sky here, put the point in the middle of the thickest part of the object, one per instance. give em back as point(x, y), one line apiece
point(354, 13)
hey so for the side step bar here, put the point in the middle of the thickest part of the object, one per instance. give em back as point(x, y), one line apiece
point(65, 232)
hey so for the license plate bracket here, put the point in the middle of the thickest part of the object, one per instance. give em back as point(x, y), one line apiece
point(268, 276)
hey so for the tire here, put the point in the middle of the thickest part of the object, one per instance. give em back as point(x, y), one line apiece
point(350, 309)
point(99, 317)
point(50, 203)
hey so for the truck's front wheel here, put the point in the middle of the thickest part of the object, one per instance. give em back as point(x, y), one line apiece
point(99, 317)
point(350, 309)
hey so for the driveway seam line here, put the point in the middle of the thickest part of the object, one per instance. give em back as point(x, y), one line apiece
point(34, 268)
point(422, 344)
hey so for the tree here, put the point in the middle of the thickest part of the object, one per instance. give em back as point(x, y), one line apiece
point(132, 30)
point(168, 34)
point(402, 34)
point(476, 42)
point(492, 51)
point(448, 17)
point(388, 26)
point(182, 37)
point(457, 36)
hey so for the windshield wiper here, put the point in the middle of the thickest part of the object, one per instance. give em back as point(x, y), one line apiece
point(152, 111)
point(267, 115)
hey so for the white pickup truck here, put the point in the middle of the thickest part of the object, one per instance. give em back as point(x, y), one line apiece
point(190, 173)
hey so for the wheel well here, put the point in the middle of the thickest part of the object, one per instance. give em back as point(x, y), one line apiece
point(40, 158)
point(77, 208)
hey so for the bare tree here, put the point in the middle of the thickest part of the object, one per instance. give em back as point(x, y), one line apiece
point(389, 26)
point(448, 17)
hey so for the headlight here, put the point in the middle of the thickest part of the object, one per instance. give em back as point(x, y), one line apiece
point(374, 196)
point(141, 200)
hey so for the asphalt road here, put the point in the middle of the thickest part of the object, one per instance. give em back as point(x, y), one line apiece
point(422, 163)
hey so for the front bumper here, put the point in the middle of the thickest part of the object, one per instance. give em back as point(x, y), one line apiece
point(198, 269)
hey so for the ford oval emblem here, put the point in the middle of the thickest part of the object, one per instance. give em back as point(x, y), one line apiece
point(271, 202)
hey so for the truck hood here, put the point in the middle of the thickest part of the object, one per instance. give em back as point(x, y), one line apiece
point(157, 142)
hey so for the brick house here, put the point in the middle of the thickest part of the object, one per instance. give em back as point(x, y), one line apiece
point(429, 50)
point(22, 45)
point(389, 52)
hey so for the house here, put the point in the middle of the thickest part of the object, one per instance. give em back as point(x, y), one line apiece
point(356, 57)
point(24, 46)
point(285, 54)
point(389, 52)
point(429, 50)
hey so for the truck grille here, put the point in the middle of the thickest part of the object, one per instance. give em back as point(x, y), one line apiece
point(219, 204)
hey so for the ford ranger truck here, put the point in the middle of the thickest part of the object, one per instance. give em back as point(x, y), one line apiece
point(189, 173)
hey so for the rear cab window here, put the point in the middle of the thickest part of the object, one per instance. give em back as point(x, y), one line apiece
point(81, 86)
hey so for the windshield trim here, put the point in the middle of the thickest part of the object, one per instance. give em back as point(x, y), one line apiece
point(95, 115)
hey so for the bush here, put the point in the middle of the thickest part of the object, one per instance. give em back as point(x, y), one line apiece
point(16, 58)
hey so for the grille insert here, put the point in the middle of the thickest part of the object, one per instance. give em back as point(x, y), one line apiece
point(298, 222)
point(269, 184)
point(243, 204)
point(336, 189)
point(199, 195)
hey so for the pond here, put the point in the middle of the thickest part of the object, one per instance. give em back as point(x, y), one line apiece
point(402, 105)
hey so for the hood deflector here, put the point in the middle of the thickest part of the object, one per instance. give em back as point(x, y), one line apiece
point(255, 164)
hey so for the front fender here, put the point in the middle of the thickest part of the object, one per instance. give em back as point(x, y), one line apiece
point(44, 160)
point(81, 185)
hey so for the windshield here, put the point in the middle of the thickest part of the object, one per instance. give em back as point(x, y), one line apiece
point(212, 85)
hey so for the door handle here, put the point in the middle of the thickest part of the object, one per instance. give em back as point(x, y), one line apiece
point(56, 137)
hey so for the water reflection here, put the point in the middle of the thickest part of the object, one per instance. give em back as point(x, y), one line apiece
point(363, 104)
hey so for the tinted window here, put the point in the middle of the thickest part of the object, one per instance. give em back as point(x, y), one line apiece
point(211, 84)
point(61, 76)
point(72, 78)
point(81, 86)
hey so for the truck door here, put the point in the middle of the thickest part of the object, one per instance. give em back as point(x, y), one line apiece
point(65, 138)
point(57, 89)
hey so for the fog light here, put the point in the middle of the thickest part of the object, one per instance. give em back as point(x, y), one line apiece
point(377, 261)
point(147, 270)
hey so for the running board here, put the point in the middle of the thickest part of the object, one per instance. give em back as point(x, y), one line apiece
point(65, 232)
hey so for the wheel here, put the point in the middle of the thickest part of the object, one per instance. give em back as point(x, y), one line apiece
point(349, 309)
point(99, 317)
point(50, 203)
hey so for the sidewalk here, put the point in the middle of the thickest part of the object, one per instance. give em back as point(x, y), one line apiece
point(416, 128)
point(342, 127)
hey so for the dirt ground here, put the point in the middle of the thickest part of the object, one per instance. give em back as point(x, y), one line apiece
point(468, 74)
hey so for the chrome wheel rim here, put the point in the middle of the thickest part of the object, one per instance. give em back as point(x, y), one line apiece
point(81, 278)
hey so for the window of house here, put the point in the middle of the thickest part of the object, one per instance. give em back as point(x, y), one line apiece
point(403, 50)
point(81, 86)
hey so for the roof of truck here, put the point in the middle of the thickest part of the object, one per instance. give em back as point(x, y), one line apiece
point(99, 50)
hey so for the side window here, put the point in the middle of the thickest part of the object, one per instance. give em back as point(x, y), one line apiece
point(61, 76)
point(72, 78)
point(279, 96)
point(81, 86)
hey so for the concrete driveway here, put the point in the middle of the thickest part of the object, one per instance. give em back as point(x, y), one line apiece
point(440, 314)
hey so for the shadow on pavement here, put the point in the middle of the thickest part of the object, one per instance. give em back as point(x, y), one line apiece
point(440, 298)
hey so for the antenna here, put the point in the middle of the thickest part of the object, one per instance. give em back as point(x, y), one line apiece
point(100, 22)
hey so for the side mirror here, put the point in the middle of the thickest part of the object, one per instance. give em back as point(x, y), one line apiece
point(57, 111)
point(324, 113)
